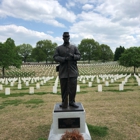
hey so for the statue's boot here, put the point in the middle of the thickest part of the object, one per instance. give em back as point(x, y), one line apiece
point(65, 103)
point(73, 104)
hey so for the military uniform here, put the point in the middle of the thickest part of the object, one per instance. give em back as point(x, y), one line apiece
point(67, 55)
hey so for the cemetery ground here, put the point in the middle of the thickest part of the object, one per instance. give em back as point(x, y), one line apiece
point(111, 114)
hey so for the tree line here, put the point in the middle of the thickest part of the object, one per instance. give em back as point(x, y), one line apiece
point(12, 55)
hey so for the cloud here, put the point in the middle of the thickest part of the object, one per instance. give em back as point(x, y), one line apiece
point(22, 35)
point(112, 22)
point(41, 11)
point(103, 30)
point(87, 7)
point(70, 4)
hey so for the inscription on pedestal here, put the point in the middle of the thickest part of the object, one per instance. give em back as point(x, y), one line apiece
point(69, 123)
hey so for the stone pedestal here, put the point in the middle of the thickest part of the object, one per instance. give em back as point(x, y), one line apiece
point(67, 120)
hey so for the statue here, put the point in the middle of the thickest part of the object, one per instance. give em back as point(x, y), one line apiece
point(67, 55)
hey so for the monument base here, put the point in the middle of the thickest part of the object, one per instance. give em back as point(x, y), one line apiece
point(67, 120)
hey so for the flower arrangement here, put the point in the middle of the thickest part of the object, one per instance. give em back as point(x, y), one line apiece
point(73, 135)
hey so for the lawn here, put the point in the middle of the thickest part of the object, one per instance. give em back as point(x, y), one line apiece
point(110, 114)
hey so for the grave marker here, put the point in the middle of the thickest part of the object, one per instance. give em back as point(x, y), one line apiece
point(99, 88)
point(7, 91)
point(31, 90)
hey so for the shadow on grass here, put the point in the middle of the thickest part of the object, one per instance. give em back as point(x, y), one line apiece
point(97, 131)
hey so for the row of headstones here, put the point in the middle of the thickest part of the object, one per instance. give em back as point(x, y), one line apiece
point(25, 80)
point(87, 77)
point(113, 78)
point(20, 86)
point(31, 89)
point(105, 78)
point(121, 86)
point(8, 91)
point(100, 87)
point(42, 69)
point(105, 70)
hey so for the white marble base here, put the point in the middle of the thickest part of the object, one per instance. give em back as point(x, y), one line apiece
point(68, 115)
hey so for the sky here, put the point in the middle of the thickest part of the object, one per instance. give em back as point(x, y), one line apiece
point(112, 22)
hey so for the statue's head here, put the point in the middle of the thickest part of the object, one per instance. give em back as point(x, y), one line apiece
point(66, 34)
point(66, 37)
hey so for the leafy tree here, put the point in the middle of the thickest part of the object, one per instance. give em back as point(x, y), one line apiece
point(24, 51)
point(106, 53)
point(131, 57)
point(9, 55)
point(89, 50)
point(48, 48)
point(38, 54)
point(118, 53)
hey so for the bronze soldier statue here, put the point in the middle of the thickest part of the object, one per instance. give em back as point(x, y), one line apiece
point(67, 55)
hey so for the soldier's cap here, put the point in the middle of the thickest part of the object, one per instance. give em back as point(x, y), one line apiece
point(66, 34)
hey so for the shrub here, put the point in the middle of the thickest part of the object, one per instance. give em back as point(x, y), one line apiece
point(74, 135)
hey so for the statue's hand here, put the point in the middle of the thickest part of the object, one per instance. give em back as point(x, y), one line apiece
point(67, 58)
point(71, 56)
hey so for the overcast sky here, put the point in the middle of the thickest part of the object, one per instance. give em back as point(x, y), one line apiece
point(110, 22)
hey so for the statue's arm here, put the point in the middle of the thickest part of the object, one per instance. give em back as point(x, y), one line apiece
point(57, 57)
point(77, 55)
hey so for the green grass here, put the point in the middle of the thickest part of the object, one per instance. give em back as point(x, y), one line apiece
point(97, 131)
point(17, 102)
point(2, 95)
point(10, 102)
point(34, 101)
point(113, 90)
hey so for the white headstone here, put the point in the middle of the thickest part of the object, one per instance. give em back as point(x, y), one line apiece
point(1, 87)
point(106, 83)
point(19, 86)
point(31, 90)
point(32, 81)
point(27, 83)
point(42, 83)
point(84, 81)
point(3, 81)
point(98, 80)
point(37, 86)
point(112, 80)
point(99, 88)
point(78, 88)
point(138, 82)
point(123, 82)
point(6, 81)
point(7, 91)
point(121, 87)
point(12, 84)
point(54, 89)
point(90, 84)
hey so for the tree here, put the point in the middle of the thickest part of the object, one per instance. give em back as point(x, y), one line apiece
point(89, 49)
point(106, 53)
point(131, 57)
point(48, 48)
point(38, 54)
point(25, 51)
point(118, 53)
point(9, 55)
